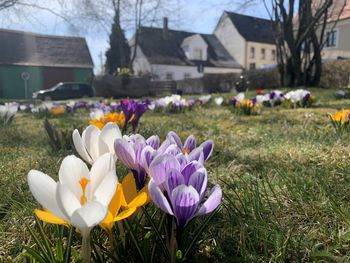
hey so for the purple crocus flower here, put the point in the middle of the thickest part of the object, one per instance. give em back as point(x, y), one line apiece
point(132, 150)
point(233, 102)
point(190, 146)
point(341, 93)
point(133, 111)
point(140, 109)
point(180, 190)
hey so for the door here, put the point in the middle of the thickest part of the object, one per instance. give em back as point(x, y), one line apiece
point(52, 76)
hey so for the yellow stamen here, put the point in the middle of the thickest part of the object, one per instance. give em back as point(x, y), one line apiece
point(187, 151)
point(83, 183)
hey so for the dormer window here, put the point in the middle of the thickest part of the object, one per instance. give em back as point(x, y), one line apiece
point(195, 47)
point(197, 54)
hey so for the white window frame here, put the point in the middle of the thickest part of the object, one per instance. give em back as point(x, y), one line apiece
point(187, 75)
point(273, 54)
point(252, 53)
point(169, 76)
point(263, 53)
point(336, 30)
point(200, 53)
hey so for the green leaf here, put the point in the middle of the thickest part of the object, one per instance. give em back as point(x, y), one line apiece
point(33, 254)
point(199, 231)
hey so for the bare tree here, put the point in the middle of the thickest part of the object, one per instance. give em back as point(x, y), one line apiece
point(300, 34)
point(4, 4)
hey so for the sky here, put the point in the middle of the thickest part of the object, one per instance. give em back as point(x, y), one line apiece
point(196, 16)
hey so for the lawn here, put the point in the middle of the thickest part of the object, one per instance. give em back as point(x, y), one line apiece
point(285, 176)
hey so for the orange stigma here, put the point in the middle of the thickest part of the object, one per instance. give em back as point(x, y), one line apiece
point(187, 151)
point(83, 183)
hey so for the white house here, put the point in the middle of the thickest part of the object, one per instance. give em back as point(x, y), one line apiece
point(248, 39)
point(166, 54)
point(337, 32)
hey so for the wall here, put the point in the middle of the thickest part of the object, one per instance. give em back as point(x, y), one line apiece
point(11, 84)
point(193, 42)
point(230, 38)
point(343, 41)
point(178, 72)
point(83, 75)
point(259, 62)
point(221, 70)
point(141, 65)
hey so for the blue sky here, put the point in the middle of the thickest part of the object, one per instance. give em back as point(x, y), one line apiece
point(196, 16)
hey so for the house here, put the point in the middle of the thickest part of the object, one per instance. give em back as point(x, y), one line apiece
point(42, 60)
point(337, 32)
point(248, 39)
point(167, 54)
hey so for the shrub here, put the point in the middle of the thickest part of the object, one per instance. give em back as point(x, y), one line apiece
point(263, 78)
point(335, 74)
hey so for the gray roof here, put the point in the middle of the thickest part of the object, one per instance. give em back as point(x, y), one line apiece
point(252, 28)
point(23, 48)
point(168, 51)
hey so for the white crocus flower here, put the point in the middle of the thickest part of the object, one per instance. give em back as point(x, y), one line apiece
point(95, 142)
point(80, 197)
point(96, 114)
point(8, 111)
point(219, 100)
point(240, 96)
point(296, 96)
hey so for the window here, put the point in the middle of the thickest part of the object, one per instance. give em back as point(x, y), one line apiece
point(187, 75)
point(273, 52)
point(332, 38)
point(252, 52)
point(169, 76)
point(252, 66)
point(263, 53)
point(197, 54)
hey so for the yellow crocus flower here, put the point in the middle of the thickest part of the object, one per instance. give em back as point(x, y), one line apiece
point(115, 117)
point(125, 202)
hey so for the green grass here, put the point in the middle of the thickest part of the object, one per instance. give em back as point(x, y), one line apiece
point(285, 175)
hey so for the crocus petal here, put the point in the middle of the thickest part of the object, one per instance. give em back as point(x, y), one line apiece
point(125, 153)
point(89, 215)
point(158, 197)
point(182, 160)
point(172, 150)
point(140, 200)
point(199, 181)
point(67, 200)
point(189, 169)
point(207, 147)
point(105, 191)
point(43, 188)
point(174, 179)
point(72, 169)
point(159, 166)
point(101, 167)
point(185, 200)
point(108, 222)
point(196, 155)
point(116, 201)
point(80, 147)
point(190, 143)
point(153, 141)
point(147, 156)
point(90, 140)
point(166, 143)
point(50, 218)
point(129, 188)
point(125, 214)
point(109, 134)
point(176, 138)
point(212, 202)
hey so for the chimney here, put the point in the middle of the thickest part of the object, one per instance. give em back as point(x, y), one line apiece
point(165, 27)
